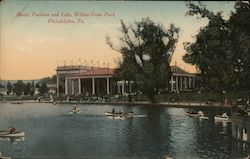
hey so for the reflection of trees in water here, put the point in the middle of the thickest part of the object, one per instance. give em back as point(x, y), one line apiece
point(148, 136)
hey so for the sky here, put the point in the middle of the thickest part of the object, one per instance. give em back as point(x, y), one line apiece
point(33, 44)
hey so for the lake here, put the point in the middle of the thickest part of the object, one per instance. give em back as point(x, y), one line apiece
point(155, 132)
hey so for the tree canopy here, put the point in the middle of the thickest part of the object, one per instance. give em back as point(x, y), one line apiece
point(221, 50)
point(146, 50)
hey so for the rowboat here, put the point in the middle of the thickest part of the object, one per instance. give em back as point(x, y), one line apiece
point(17, 102)
point(195, 114)
point(119, 114)
point(199, 114)
point(15, 134)
point(223, 118)
point(75, 110)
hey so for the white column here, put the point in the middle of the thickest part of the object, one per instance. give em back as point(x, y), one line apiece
point(181, 86)
point(79, 86)
point(176, 83)
point(194, 82)
point(93, 86)
point(108, 86)
point(118, 87)
point(123, 87)
point(189, 82)
point(172, 83)
point(185, 81)
point(57, 84)
point(72, 87)
point(130, 86)
point(66, 86)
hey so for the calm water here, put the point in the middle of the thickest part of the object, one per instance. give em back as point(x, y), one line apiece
point(51, 132)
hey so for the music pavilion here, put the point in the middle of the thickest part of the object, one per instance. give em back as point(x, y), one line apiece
point(88, 80)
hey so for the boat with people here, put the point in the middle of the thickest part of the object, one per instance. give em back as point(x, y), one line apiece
point(17, 102)
point(199, 114)
point(222, 118)
point(11, 132)
point(113, 113)
point(15, 134)
point(75, 109)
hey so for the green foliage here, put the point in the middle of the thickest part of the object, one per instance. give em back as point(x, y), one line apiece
point(146, 49)
point(9, 88)
point(1, 85)
point(18, 88)
point(221, 49)
point(27, 89)
point(43, 89)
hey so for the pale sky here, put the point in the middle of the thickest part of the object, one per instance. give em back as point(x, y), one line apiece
point(32, 48)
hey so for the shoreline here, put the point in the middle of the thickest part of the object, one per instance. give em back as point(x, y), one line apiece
point(193, 105)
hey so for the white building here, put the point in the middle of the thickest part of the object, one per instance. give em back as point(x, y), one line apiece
point(99, 81)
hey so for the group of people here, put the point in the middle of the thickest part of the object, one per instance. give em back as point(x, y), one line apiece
point(12, 130)
point(120, 111)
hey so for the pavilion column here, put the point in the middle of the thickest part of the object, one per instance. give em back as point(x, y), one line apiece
point(123, 87)
point(79, 86)
point(93, 86)
point(57, 84)
point(181, 82)
point(130, 87)
point(118, 87)
point(176, 83)
point(193, 82)
point(172, 83)
point(66, 86)
point(189, 82)
point(108, 92)
point(185, 81)
point(72, 87)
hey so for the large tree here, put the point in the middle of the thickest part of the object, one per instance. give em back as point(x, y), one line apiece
point(216, 51)
point(9, 88)
point(27, 89)
point(19, 88)
point(146, 50)
point(42, 88)
point(239, 24)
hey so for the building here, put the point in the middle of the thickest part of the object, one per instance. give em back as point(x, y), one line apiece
point(51, 88)
point(181, 80)
point(86, 80)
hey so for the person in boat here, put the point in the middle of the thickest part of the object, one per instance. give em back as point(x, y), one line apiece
point(113, 111)
point(12, 130)
point(120, 111)
point(131, 111)
point(224, 115)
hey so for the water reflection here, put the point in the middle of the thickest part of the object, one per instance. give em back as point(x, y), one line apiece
point(12, 139)
point(156, 132)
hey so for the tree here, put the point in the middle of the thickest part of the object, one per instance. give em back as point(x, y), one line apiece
point(19, 88)
point(32, 91)
point(214, 51)
point(43, 89)
point(9, 88)
point(239, 24)
point(27, 89)
point(146, 50)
